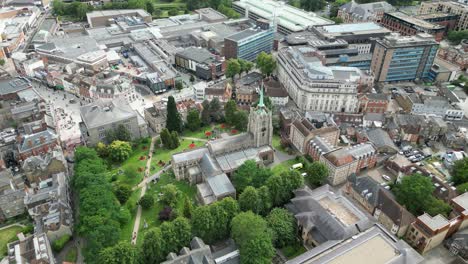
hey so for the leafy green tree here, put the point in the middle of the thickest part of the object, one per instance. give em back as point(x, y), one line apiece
point(249, 200)
point(84, 153)
point(278, 190)
point(314, 5)
point(175, 140)
point(123, 192)
point(179, 85)
point(173, 120)
point(166, 138)
point(203, 224)
point(153, 249)
point(122, 133)
point(233, 67)
point(120, 150)
point(460, 172)
point(193, 120)
point(455, 37)
point(169, 194)
point(2, 62)
point(215, 110)
point(146, 201)
point(317, 173)
point(121, 253)
point(435, 206)
point(124, 216)
point(264, 199)
point(412, 191)
point(251, 233)
point(241, 119)
point(462, 188)
point(149, 7)
point(188, 207)
point(177, 234)
point(230, 110)
point(102, 150)
point(206, 115)
point(173, 12)
point(249, 174)
point(157, 12)
point(259, 250)
point(283, 225)
point(230, 207)
point(266, 63)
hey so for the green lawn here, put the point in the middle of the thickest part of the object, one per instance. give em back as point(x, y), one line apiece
point(161, 154)
point(276, 142)
point(197, 134)
point(283, 166)
point(71, 255)
point(135, 162)
point(7, 235)
point(294, 250)
point(151, 215)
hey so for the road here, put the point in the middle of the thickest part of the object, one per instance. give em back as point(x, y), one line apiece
point(37, 26)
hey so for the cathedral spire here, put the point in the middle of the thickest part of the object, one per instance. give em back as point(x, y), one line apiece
point(260, 102)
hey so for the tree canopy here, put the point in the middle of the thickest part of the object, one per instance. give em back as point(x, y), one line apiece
point(249, 174)
point(233, 67)
point(460, 172)
point(173, 120)
point(121, 253)
point(317, 173)
point(283, 225)
point(193, 120)
point(120, 150)
point(266, 63)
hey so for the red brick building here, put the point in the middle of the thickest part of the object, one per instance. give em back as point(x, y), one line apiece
point(373, 103)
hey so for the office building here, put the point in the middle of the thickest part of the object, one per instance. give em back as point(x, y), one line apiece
point(288, 19)
point(200, 61)
point(248, 44)
point(399, 58)
point(102, 18)
point(408, 26)
point(444, 6)
point(313, 86)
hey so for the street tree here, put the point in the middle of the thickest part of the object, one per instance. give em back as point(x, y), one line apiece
point(266, 63)
point(233, 67)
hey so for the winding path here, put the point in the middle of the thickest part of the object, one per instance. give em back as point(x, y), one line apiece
point(143, 184)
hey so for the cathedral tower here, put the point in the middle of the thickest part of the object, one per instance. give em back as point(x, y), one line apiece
point(260, 124)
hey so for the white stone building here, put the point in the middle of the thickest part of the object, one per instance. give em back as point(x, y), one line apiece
point(313, 86)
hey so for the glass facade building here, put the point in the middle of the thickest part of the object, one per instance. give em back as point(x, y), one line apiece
point(249, 43)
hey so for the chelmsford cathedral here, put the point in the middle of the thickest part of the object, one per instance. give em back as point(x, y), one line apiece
point(210, 167)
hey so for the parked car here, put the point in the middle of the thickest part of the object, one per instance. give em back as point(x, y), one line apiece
point(387, 178)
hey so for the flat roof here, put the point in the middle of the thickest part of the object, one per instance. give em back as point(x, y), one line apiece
point(375, 250)
point(352, 27)
point(416, 21)
point(341, 212)
point(290, 17)
point(435, 222)
point(117, 12)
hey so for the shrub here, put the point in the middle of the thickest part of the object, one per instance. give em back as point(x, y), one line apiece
point(146, 201)
point(59, 243)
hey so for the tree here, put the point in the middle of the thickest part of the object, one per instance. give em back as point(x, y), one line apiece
point(120, 150)
point(84, 153)
point(264, 200)
point(149, 7)
point(215, 109)
point(249, 174)
point(283, 225)
point(249, 200)
point(193, 120)
point(177, 234)
point(192, 78)
point(175, 140)
point(131, 171)
point(230, 110)
point(460, 172)
point(203, 223)
point(110, 136)
point(278, 190)
point(153, 249)
point(251, 233)
point(462, 188)
point(248, 65)
point(2, 62)
point(455, 37)
point(157, 12)
point(146, 201)
point(173, 120)
point(179, 85)
point(241, 119)
point(412, 191)
point(259, 250)
point(205, 115)
point(102, 150)
point(312, 5)
point(122, 133)
point(123, 192)
point(188, 207)
point(81, 11)
point(233, 67)
point(266, 63)
point(169, 194)
point(317, 173)
point(166, 138)
point(121, 253)
point(436, 206)
point(173, 12)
